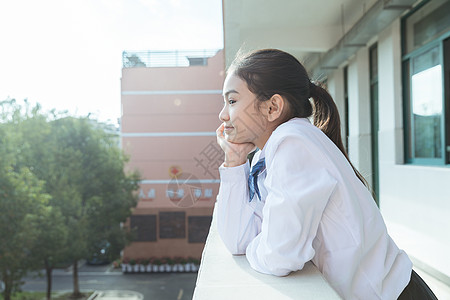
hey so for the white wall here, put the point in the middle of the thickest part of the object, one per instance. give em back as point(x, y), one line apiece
point(414, 200)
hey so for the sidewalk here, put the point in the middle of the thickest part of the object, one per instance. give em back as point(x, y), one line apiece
point(86, 269)
point(104, 279)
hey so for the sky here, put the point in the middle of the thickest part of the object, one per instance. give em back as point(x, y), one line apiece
point(67, 54)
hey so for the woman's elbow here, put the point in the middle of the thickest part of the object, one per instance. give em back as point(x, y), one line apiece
point(231, 245)
point(272, 265)
point(234, 248)
point(276, 270)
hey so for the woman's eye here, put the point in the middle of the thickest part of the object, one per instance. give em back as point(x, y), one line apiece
point(230, 101)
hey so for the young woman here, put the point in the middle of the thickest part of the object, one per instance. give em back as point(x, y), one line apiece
point(301, 199)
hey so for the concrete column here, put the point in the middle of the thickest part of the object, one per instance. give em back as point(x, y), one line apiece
point(390, 96)
point(359, 113)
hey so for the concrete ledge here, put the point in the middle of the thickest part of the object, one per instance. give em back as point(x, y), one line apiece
point(224, 276)
point(426, 253)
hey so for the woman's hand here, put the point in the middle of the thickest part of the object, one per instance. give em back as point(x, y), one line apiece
point(235, 154)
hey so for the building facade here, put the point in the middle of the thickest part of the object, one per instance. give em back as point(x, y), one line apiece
point(170, 105)
point(387, 65)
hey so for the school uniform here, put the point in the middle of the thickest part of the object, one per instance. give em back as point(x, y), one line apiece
point(310, 207)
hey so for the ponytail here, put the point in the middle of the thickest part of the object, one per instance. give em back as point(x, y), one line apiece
point(325, 114)
point(326, 118)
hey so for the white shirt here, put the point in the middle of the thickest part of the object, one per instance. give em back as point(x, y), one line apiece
point(313, 207)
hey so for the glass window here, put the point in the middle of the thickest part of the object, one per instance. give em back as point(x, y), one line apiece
point(144, 227)
point(426, 24)
point(172, 225)
point(346, 125)
point(374, 117)
point(426, 98)
point(198, 228)
point(427, 124)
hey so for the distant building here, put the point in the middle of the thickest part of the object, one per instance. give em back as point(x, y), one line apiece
point(170, 106)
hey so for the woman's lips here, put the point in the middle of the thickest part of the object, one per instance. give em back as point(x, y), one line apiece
point(228, 128)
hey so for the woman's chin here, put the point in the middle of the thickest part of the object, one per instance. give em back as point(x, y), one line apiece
point(233, 139)
point(230, 138)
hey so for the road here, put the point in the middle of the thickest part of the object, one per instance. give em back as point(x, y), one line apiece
point(157, 286)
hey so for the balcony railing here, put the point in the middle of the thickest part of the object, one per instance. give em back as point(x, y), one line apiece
point(174, 58)
point(224, 276)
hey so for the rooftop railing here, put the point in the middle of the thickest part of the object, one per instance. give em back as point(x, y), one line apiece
point(174, 58)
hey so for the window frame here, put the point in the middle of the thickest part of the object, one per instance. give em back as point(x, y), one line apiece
point(374, 118)
point(407, 59)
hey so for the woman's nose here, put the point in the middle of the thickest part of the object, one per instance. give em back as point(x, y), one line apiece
point(223, 115)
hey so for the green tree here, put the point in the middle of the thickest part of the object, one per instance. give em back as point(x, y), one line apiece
point(83, 169)
point(31, 132)
point(50, 246)
point(21, 200)
point(90, 186)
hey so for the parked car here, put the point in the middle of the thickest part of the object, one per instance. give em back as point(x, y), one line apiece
point(102, 254)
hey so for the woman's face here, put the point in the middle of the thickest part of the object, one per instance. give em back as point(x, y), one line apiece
point(243, 120)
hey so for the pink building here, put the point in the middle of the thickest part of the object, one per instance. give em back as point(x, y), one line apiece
point(170, 107)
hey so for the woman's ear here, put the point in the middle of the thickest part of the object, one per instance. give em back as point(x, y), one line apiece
point(275, 106)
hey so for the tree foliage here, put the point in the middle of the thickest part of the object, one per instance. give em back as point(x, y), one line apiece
point(92, 189)
point(80, 192)
point(21, 199)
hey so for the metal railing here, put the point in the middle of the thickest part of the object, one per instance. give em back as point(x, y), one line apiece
point(174, 58)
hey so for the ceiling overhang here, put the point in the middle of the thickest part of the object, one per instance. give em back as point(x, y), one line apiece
point(322, 34)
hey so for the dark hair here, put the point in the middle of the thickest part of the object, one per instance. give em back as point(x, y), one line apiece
point(270, 71)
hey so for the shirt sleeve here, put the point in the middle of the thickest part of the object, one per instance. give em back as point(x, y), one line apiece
point(298, 186)
point(237, 223)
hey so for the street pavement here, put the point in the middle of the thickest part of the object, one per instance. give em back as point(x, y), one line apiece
point(153, 286)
